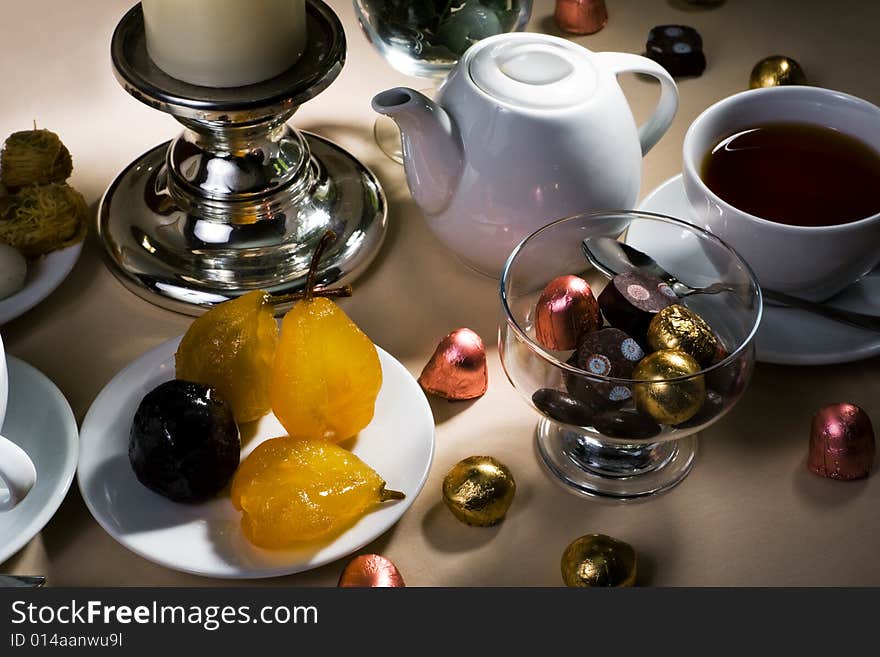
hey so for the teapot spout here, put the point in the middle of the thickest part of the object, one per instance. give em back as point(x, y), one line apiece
point(433, 154)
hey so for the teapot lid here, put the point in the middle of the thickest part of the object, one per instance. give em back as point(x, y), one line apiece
point(535, 71)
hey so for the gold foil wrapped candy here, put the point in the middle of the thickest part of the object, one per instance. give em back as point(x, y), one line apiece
point(599, 560)
point(34, 157)
point(776, 71)
point(677, 327)
point(669, 402)
point(479, 490)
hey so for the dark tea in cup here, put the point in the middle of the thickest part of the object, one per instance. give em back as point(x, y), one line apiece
point(798, 174)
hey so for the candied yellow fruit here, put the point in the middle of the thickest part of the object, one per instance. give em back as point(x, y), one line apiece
point(231, 348)
point(326, 375)
point(292, 490)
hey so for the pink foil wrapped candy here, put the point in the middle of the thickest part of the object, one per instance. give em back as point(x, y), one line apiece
point(457, 371)
point(581, 16)
point(371, 571)
point(566, 310)
point(841, 443)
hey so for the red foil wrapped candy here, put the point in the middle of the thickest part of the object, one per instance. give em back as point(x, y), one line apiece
point(371, 571)
point(581, 16)
point(566, 310)
point(457, 371)
point(841, 443)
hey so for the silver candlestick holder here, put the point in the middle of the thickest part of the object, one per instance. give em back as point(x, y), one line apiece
point(240, 199)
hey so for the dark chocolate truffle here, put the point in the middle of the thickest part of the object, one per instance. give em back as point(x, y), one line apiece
point(677, 48)
point(562, 407)
point(608, 352)
point(630, 425)
point(630, 301)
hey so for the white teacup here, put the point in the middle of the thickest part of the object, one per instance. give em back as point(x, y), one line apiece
point(810, 262)
point(17, 471)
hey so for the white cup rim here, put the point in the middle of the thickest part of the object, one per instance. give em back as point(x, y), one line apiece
point(691, 172)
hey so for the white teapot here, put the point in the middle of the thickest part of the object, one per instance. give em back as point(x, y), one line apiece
point(527, 129)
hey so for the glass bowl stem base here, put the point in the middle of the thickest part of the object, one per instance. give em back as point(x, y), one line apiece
point(596, 469)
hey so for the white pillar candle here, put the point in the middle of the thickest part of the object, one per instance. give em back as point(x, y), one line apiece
point(225, 43)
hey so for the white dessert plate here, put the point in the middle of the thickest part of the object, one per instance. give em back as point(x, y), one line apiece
point(206, 539)
point(43, 276)
point(787, 336)
point(39, 420)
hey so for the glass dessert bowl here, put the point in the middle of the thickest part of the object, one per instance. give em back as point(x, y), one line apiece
point(620, 412)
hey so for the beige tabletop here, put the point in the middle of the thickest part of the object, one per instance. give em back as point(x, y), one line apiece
point(749, 513)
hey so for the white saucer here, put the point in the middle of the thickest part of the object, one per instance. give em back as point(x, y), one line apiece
point(43, 276)
point(39, 420)
point(206, 539)
point(787, 336)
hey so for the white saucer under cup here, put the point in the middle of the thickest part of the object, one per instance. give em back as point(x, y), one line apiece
point(39, 420)
point(787, 336)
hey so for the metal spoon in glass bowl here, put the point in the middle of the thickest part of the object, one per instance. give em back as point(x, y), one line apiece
point(612, 257)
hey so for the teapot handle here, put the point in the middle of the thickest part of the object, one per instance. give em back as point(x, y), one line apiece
point(655, 127)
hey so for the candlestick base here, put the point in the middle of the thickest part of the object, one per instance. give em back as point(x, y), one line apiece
point(240, 199)
point(186, 264)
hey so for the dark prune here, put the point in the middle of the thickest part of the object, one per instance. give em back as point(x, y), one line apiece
point(184, 443)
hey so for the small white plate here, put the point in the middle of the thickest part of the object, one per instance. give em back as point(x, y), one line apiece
point(787, 336)
point(206, 539)
point(39, 420)
point(43, 276)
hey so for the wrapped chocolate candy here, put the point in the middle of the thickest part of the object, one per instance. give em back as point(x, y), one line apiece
point(581, 16)
point(669, 402)
point(479, 490)
point(457, 371)
point(775, 71)
point(630, 301)
point(677, 327)
point(599, 560)
point(608, 352)
point(712, 407)
point(370, 571)
point(841, 443)
point(562, 408)
point(629, 425)
point(677, 48)
point(566, 310)
point(730, 380)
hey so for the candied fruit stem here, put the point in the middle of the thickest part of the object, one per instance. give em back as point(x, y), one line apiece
point(386, 495)
point(326, 240)
point(330, 293)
